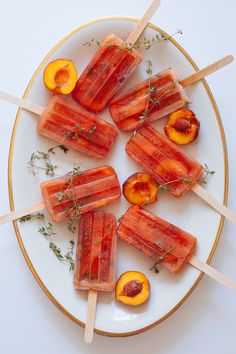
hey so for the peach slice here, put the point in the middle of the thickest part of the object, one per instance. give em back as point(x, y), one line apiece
point(182, 127)
point(60, 76)
point(140, 189)
point(132, 288)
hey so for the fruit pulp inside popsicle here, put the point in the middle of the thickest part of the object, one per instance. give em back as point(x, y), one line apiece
point(71, 125)
point(172, 169)
point(96, 252)
point(76, 194)
point(105, 74)
point(149, 100)
point(156, 238)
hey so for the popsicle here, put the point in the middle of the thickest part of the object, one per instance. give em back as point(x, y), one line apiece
point(156, 97)
point(164, 160)
point(74, 194)
point(110, 67)
point(69, 124)
point(165, 243)
point(171, 167)
point(95, 265)
point(65, 122)
point(156, 238)
point(96, 252)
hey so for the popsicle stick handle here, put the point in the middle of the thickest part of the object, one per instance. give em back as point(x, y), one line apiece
point(206, 71)
point(89, 327)
point(213, 273)
point(17, 214)
point(214, 203)
point(21, 102)
point(141, 25)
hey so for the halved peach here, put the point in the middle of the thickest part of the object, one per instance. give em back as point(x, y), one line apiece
point(60, 76)
point(182, 127)
point(132, 288)
point(140, 189)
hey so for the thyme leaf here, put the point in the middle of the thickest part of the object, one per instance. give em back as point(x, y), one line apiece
point(37, 216)
point(145, 43)
point(166, 250)
point(165, 187)
point(46, 229)
point(71, 226)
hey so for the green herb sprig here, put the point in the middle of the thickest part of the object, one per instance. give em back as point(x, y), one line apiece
point(165, 187)
point(145, 43)
point(37, 216)
point(167, 250)
point(44, 159)
point(47, 231)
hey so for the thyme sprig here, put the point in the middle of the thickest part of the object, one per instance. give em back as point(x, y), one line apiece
point(71, 226)
point(28, 217)
point(208, 173)
point(73, 210)
point(47, 231)
point(166, 250)
point(40, 160)
point(150, 91)
point(154, 97)
point(165, 187)
point(145, 43)
point(72, 134)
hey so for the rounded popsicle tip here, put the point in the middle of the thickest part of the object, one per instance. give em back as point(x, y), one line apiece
point(230, 58)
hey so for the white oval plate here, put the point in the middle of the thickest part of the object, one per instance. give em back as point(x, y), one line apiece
point(168, 291)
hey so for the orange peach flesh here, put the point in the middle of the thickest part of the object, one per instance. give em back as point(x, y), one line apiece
point(60, 76)
point(182, 127)
point(132, 288)
point(140, 189)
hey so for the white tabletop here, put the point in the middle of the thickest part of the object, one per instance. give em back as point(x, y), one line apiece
point(29, 322)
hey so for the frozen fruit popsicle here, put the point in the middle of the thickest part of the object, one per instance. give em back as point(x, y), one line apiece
point(105, 74)
point(165, 161)
point(156, 238)
point(96, 252)
point(156, 97)
point(71, 125)
point(165, 243)
point(148, 101)
point(73, 195)
point(76, 194)
point(113, 63)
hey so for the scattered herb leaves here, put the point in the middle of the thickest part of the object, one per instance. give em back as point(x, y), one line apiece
point(37, 216)
point(145, 43)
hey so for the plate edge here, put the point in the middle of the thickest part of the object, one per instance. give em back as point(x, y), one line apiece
point(11, 201)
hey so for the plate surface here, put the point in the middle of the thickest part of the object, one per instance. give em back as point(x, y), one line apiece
point(168, 291)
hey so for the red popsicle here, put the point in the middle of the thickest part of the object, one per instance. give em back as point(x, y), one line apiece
point(96, 252)
point(76, 194)
point(105, 74)
point(164, 160)
point(69, 124)
point(148, 101)
point(156, 238)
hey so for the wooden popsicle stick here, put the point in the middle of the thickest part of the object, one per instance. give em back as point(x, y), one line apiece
point(17, 214)
point(141, 25)
point(213, 273)
point(206, 71)
point(214, 203)
point(89, 327)
point(21, 102)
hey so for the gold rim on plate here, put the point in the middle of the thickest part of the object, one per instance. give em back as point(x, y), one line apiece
point(219, 121)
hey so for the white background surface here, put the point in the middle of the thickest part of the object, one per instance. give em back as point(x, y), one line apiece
point(29, 322)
